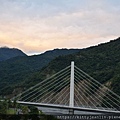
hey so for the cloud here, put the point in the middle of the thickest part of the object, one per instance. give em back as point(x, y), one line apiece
point(39, 25)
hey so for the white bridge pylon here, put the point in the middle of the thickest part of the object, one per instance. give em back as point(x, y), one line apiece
point(74, 89)
point(72, 86)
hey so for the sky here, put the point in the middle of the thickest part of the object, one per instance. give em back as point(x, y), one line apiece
point(35, 26)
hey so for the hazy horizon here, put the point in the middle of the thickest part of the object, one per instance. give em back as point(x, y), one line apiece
point(37, 53)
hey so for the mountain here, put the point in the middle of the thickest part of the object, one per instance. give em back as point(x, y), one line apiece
point(102, 62)
point(7, 53)
point(14, 71)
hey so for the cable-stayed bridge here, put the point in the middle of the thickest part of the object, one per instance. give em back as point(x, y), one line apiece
point(71, 89)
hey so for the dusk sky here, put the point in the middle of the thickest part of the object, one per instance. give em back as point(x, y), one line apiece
point(35, 26)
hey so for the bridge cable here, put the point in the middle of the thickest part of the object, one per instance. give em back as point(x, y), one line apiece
point(90, 97)
point(76, 91)
point(67, 101)
point(42, 86)
point(46, 90)
point(99, 83)
point(95, 93)
point(63, 83)
point(62, 95)
point(42, 81)
point(102, 90)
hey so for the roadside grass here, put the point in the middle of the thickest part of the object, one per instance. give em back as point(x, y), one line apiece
point(11, 111)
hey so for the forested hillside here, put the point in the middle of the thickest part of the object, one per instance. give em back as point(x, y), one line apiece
point(14, 71)
point(102, 62)
point(7, 53)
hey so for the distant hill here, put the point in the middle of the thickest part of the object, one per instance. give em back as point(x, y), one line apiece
point(7, 53)
point(14, 71)
point(102, 62)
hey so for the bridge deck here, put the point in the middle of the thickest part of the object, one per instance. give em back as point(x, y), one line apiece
point(68, 107)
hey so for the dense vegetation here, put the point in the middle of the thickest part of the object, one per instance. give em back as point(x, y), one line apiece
point(101, 62)
point(7, 53)
point(15, 71)
point(13, 111)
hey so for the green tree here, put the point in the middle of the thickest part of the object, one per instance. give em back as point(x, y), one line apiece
point(9, 103)
point(3, 107)
point(15, 105)
point(24, 109)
